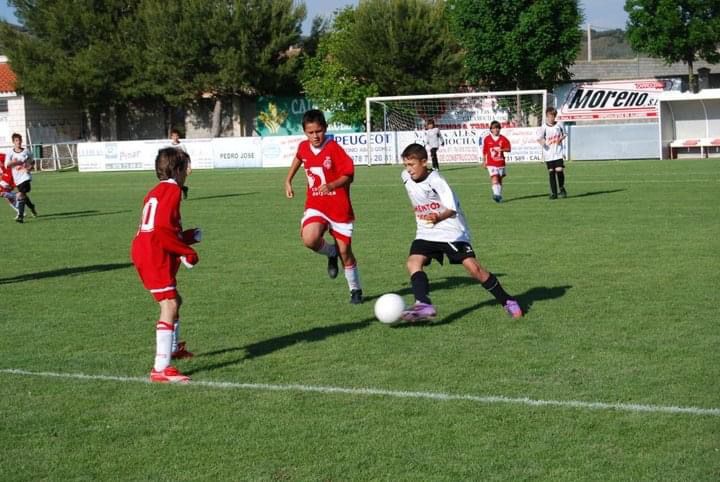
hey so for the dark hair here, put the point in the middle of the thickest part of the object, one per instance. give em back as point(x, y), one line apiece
point(314, 116)
point(551, 110)
point(495, 124)
point(431, 123)
point(16, 136)
point(414, 151)
point(174, 131)
point(170, 162)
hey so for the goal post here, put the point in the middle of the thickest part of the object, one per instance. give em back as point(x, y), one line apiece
point(393, 122)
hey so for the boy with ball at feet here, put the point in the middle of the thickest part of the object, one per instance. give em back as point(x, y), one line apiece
point(158, 248)
point(441, 232)
point(329, 171)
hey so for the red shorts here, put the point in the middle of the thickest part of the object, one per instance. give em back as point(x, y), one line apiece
point(157, 274)
point(340, 231)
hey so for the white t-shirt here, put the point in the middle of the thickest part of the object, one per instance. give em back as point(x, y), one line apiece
point(553, 135)
point(433, 138)
point(434, 194)
point(20, 173)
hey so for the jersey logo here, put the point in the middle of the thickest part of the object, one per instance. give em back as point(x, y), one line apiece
point(327, 163)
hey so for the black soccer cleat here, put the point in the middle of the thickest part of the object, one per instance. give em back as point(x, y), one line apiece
point(332, 268)
point(563, 192)
point(553, 196)
point(356, 297)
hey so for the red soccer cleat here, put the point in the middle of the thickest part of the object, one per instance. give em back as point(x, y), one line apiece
point(169, 375)
point(182, 352)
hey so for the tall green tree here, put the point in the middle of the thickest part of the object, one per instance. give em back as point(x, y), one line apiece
point(517, 44)
point(72, 50)
point(676, 30)
point(383, 47)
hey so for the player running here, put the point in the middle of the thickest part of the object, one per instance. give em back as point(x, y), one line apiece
point(20, 161)
point(494, 147)
point(441, 231)
point(329, 171)
point(159, 247)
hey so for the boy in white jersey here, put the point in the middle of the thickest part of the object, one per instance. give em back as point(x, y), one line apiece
point(550, 137)
point(20, 161)
point(441, 231)
point(433, 140)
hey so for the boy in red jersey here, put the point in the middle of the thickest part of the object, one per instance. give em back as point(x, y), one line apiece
point(329, 171)
point(7, 184)
point(159, 247)
point(494, 148)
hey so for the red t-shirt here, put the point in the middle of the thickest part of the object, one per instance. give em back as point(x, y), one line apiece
point(493, 150)
point(325, 167)
point(159, 243)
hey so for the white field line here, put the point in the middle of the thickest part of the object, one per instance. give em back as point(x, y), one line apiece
point(447, 397)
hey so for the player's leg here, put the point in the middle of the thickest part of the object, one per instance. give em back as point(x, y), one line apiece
point(553, 181)
point(352, 273)
point(433, 156)
point(162, 371)
point(423, 308)
point(496, 180)
point(493, 286)
point(560, 174)
point(313, 237)
point(179, 347)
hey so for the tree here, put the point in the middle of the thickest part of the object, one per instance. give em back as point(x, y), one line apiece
point(517, 44)
point(383, 47)
point(676, 30)
point(72, 50)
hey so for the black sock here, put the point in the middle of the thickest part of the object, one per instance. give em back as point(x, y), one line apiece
point(495, 288)
point(29, 203)
point(561, 179)
point(21, 208)
point(421, 287)
point(553, 182)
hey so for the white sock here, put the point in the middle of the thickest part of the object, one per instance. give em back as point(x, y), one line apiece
point(497, 189)
point(352, 275)
point(163, 345)
point(327, 249)
point(176, 336)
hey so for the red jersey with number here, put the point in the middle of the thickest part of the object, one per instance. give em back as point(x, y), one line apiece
point(329, 164)
point(493, 150)
point(159, 243)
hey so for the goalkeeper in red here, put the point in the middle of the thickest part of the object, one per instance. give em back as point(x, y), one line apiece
point(329, 172)
point(159, 247)
point(441, 232)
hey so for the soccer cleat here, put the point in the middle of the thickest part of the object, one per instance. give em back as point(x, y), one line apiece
point(33, 212)
point(182, 352)
point(356, 297)
point(563, 192)
point(419, 312)
point(332, 268)
point(169, 375)
point(553, 196)
point(513, 309)
point(19, 219)
point(497, 199)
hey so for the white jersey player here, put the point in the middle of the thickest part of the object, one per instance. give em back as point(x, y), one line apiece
point(551, 136)
point(441, 232)
point(20, 161)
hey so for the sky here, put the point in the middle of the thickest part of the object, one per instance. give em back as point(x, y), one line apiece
point(598, 13)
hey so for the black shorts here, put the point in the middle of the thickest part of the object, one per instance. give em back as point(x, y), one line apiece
point(456, 251)
point(556, 163)
point(24, 187)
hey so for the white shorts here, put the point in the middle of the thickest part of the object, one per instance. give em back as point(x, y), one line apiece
point(339, 230)
point(496, 171)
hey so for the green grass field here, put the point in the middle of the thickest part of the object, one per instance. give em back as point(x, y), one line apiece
point(613, 374)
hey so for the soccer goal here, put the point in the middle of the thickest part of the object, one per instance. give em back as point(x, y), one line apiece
point(392, 123)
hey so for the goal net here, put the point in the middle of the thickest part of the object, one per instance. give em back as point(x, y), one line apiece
point(464, 120)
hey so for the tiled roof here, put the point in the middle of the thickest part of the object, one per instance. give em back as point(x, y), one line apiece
point(7, 79)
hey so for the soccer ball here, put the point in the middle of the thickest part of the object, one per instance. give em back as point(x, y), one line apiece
point(388, 308)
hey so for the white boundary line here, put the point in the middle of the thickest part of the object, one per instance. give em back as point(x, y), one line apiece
point(623, 407)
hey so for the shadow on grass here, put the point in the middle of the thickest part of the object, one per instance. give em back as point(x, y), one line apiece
point(218, 196)
point(77, 214)
point(56, 273)
point(265, 347)
point(526, 301)
point(570, 196)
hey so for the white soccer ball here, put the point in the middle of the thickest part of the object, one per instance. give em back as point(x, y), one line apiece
point(388, 308)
